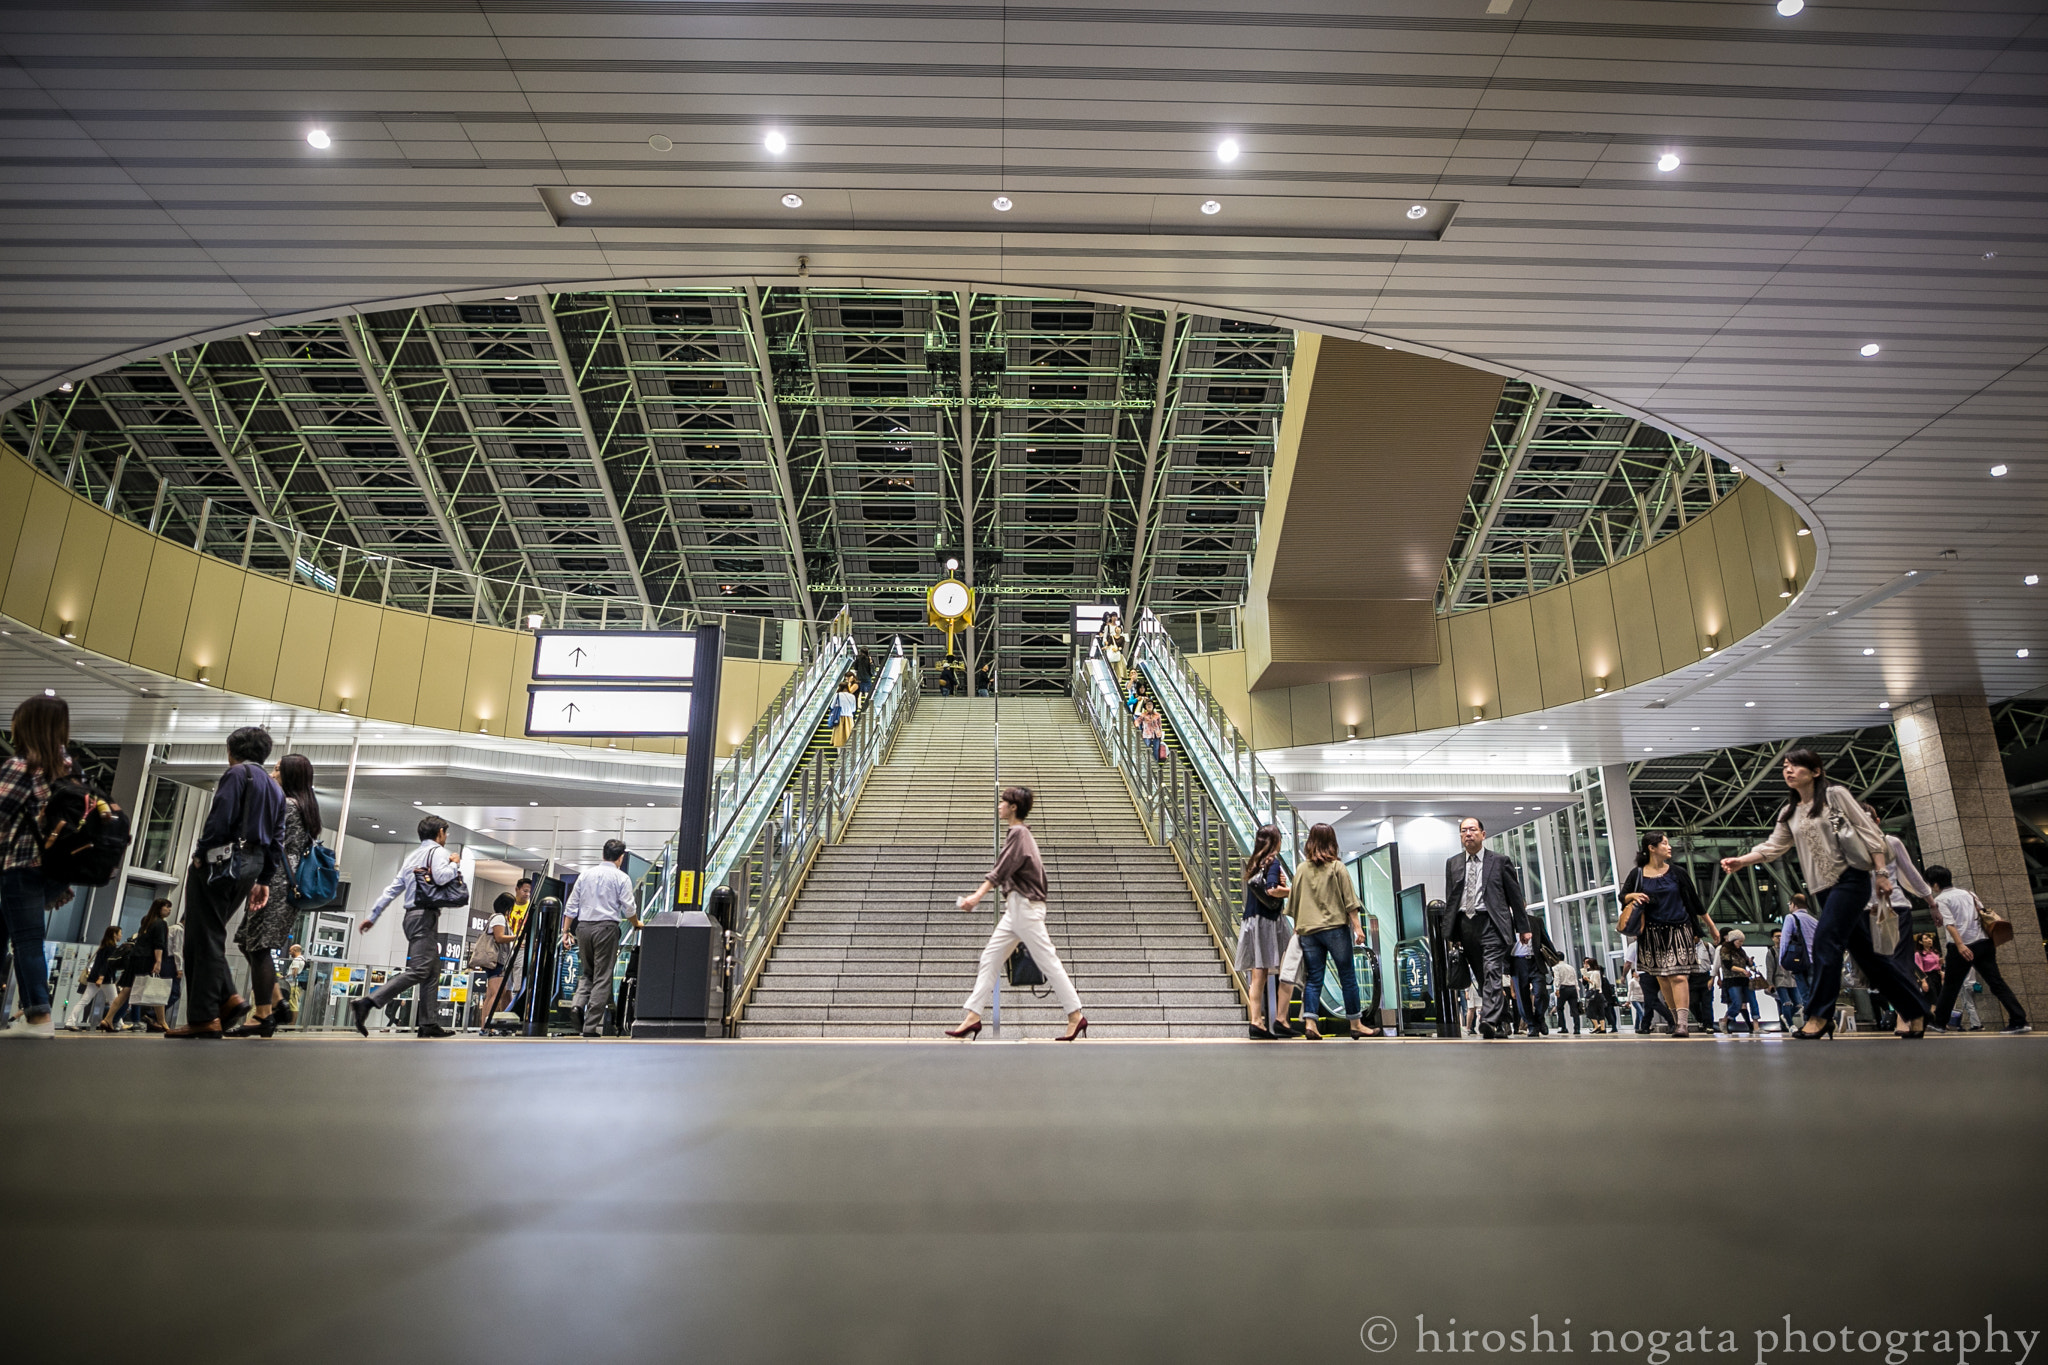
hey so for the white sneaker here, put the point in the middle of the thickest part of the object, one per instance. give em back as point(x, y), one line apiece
point(22, 1028)
point(2021, 1028)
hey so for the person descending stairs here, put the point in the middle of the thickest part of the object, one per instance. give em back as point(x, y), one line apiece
point(875, 948)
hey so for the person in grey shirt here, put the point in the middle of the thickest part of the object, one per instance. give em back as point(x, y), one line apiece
point(602, 896)
point(422, 934)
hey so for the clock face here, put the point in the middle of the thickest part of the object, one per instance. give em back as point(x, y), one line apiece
point(949, 598)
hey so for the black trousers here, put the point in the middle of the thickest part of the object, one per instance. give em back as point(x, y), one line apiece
point(208, 983)
point(1529, 977)
point(1486, 953)
point(1568, 1004)
point(1984, 957)
point(1845, 931)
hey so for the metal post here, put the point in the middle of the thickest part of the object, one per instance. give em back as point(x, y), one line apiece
point(156, 507)
point(205, 515)
point(348, 796)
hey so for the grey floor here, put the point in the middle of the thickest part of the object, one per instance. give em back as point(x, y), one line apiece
point(511, 1201)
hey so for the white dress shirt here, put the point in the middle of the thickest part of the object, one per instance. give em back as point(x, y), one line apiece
point(1475, 865)
point(432, 855)
point(601, 892)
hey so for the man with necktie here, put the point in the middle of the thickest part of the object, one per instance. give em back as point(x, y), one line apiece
point(1489, 915)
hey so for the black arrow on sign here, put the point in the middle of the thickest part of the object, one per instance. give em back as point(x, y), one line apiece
point(576, 656)
point(569, 709)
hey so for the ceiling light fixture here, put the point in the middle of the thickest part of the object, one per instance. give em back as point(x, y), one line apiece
point(1803, 531)
point(580, 198)
point(775, 142)
point(792, 201)
point(1211, 206)
point(2031, 579)
point(1788, 8)
point(2019, 654)
point(1227, 149)
point(1543, 727)
point(661, 143)
point(1668, 162)
point(1695, 727)
point(533, 803)
point(1002, 204)
point(1418, 210)
point(1870, 348)
point(319, 139)
point(1998, 471)
point(49, 691)
point(1884, 706)
point(1868, 652)
point(1749, 703)
point(64, 387)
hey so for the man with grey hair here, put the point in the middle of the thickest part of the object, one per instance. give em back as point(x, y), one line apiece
point(601, 898)
point(1488, 916)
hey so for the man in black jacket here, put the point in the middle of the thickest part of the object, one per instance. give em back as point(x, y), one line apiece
point(241, 838)
point(1532, 975)
point(1488, 916)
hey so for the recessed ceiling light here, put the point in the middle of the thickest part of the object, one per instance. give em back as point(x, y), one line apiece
point(1543, 727)
point(1227, 149)
point(2019, 654)
point(1695, 727)
point(1788, 8)
point(1001, 203)
point(64, 387)
point(1733, 470)
point(318, 138)
point(1648, 750)
point(1868, 652)
point(792, 201)
point(1998, 471)
point(775, 142)
point(1884, 706)
point(1803, 531)
point(533, 803)
point(1211, 206)
point(1668, 162)
point(580, 198)
point(510, 298)
point(1749, 703)
point(1833, 612)
point(2031, 579)
point(49, 691)
point(661, 143)
point(1870, 348)
point(1418, 210)
point(1990, 255)
point(650, 803)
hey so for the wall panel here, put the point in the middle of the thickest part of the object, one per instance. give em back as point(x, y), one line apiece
point(302, 663)
point(395, 679)
point(1514, 658)
point(1557, 647)
point(259, 636)
point(1670, 615)
point(160, 631)
point(210, 620)
point(444, 675)
point(1633, 604)
point(35, 552)
point(77, 573)
point(351, 657)
point(17, 481)
point(117, 599)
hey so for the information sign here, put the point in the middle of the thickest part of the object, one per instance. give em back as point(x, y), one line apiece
point(615, 655)
point(600, 711)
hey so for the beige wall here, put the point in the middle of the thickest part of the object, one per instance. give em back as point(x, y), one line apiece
point(1650, 614)
point(144, 600)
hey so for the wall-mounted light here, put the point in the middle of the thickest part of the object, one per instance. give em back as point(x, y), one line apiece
point(1351, 732)
point(1478, 715)
point(344, 706)
point(1599, 684)
point(1791, 586)
point(67, 631)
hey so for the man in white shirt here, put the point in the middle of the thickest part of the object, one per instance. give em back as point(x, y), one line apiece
point(430, 861)
point(1968, 947)
point(601, 898)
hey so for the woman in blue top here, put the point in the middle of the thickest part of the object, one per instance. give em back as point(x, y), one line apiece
point(1262, 941)
point(1658, 904)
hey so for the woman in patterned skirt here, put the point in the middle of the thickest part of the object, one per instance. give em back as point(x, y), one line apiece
point(1664, 903)
point(265, 932)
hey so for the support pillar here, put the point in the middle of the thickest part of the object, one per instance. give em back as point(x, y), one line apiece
point(1962, 812)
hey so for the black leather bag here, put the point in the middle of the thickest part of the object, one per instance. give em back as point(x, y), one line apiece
point(228, 864)
point(1021, 970)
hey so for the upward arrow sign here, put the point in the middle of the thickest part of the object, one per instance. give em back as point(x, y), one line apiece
point(570, 709)
point(576, 656)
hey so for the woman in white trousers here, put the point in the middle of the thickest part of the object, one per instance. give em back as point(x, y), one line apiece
point(1019, 874)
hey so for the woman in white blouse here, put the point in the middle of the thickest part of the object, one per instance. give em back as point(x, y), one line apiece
point(1828, 829)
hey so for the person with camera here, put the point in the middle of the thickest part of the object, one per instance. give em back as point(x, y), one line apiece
point(428, 882)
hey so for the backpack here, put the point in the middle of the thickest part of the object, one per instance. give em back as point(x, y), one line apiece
point(1792, 954)
point(85, 836)
point(318, 878)
point(429, 894)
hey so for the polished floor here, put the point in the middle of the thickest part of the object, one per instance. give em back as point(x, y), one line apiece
point(333, 1199)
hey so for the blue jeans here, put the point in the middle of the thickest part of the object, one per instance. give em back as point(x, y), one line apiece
point(1788, 1004)
point(1317, 950)
point(1845, 929)
point(23, 894)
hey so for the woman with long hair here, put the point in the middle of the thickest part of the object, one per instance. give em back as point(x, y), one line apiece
point(1659, 904)
point(1262, 941)
point(1843, 854)
point(1019, 873)
point(1326, 909)
point(41, 730)
point(96, 985)
point(148, 948)
point(265, 932)
point(1738, 985)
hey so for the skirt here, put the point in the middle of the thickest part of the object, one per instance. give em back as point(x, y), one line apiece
point(1667, 950)
point(1261, 943)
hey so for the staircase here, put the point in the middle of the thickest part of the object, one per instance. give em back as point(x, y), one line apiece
point(874, 948)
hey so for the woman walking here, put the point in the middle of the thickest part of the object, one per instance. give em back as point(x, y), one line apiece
point(1262, 940)
point(1598, 1008)
point(1153, 730)
point(42, 729)
point(1019, 873)
point(1659, 903)
point(1738, 985)
point(1842, 854)
point(144, 957)
point(1326, 910)
point(265, 932)
point(96, 984)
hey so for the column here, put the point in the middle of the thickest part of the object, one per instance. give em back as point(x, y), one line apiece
point(1962, 812)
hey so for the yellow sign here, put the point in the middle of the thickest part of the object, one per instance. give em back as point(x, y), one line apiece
point(686, 888)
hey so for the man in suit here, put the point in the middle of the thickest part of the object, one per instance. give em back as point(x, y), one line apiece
point(1488, 916)
point(1532, 977)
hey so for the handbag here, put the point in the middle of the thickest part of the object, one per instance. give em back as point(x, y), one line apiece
point(1847, 841)
point(1884, 929)
point(483, 954)
point(1021, 970)
point(150, 991)
point(1996, 927)
point(228, 864)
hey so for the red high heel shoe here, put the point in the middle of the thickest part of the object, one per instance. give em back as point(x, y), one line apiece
point(1080, 1030)
point(966, 1031)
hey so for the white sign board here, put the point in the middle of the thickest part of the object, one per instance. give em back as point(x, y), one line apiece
point(571, 710)
point(616, 655)
point(1088, 616)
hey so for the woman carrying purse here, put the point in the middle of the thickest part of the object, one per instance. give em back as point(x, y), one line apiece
point(1660, 906)
point(1262, 940)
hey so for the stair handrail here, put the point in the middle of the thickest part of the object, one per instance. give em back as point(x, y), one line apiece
point(1247, 795)
point(814, 807)
point(747, 782)
point(1174, 803)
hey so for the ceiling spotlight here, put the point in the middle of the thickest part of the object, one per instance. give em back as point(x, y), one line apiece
point(775, 142)
point(1226, 150)
point(661, 143)
point(792, 201)
point(1868, 652)
point(1870, 348)
point(533, 622)
point(580, 198)
point(1211, 206)
point(1884, 706)
point(1002, 204)
point(49, 691)
point(1788, 8)
point(2031, 579)
point(318, 138)
point(1695, 727)
point(1998, 471)
point(1990, 255)
point(64, 387)
point(533, 803)
point(1648, 750)
point(1418, 210)
point(1749, 703)
point(1668, 162)
point(2019, 653)
point(1803, 531)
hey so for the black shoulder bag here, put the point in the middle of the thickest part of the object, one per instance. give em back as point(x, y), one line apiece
point(227, 863)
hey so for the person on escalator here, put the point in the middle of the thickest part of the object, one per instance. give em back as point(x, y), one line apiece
point(1153, 729)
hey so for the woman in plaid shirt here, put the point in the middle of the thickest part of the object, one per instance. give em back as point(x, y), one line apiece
point(42, 727)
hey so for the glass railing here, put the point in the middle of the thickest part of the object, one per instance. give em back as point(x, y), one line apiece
point(812, 811)
point(1246, 794)
point(750, 781)
point(1175, 805)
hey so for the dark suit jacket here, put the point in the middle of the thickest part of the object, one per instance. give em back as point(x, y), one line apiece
point(1500, 891)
